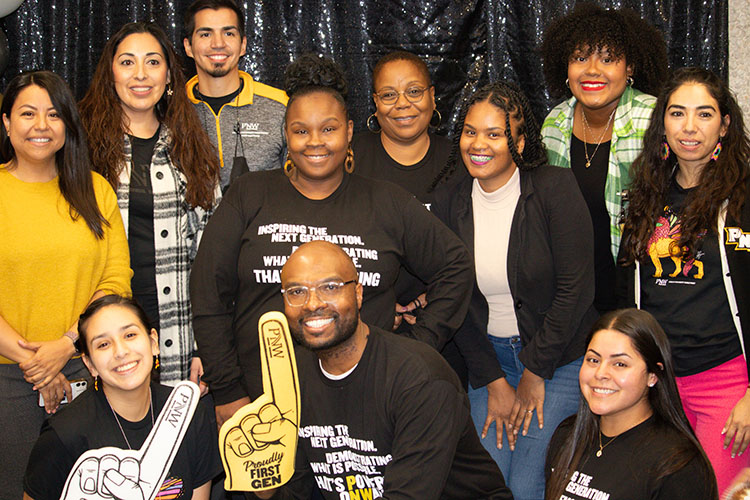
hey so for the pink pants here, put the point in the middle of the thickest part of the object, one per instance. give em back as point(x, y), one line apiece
point(708, 398)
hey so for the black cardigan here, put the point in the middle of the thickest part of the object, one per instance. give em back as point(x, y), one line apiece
point(550, 272)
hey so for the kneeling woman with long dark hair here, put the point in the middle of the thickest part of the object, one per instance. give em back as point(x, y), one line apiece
point(120, 410)
point(630, 438)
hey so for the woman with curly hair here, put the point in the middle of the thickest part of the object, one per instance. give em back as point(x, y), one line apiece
point(265, 215)
point(601, 57)
point(532, 304)
point(686, 254)
point(630, 439)
point(149, 144)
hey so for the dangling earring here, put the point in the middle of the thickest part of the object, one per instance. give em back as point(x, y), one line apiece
point(439, 118)
point(96, 383)
point(156, 362)
point(349, 162)
point(630, 81)
point(717, 151)
point(372, 124)
point(170, 92)
point(664, 150)
point(288, 166)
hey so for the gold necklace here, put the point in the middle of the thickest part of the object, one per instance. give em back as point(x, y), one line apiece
point(599, 142)
point(599, 453)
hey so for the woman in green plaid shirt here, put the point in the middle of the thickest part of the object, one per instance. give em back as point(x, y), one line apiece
point(598, 56)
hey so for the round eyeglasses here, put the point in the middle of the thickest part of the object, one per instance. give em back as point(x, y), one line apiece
point(328, 292)
point(412, 94)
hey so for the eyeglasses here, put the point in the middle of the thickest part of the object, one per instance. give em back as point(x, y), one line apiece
point(328, 292)
point(412, 94)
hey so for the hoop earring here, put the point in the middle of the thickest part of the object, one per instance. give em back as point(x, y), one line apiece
point(288, 166)
point(567, 82)
point(375, 129)
point(96, 383)
point(349, 162)
point(439, 118)
point(630, 81)
point(717, 151)
point(665, 150)
point(156, 362)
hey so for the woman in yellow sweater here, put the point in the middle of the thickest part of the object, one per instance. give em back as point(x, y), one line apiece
point(62, 244)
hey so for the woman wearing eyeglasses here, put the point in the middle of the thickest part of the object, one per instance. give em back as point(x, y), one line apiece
point(265, 216)
point(399, 147)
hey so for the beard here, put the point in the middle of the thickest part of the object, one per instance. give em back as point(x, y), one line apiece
point(344, 328)
point(218, 71)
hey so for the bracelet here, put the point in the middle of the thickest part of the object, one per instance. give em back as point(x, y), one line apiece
point(73, 336)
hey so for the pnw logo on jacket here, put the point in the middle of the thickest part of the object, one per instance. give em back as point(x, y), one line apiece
point(251, 130)
point(736, 236)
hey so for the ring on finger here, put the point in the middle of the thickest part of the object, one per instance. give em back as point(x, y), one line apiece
point(529, 411)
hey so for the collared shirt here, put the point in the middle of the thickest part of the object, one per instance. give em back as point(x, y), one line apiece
point(632, 118)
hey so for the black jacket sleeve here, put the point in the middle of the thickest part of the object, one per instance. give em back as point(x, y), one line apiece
point(213, 289)
point(471, 338)
point(571, 242)
point(435, 255)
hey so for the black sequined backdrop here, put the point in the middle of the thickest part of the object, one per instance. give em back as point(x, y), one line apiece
point(465, 42)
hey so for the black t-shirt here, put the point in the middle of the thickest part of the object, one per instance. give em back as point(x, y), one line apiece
point(692, 305)
point(398, 426)
point(88, 424)
point(592, 181)
point(217, 102)
point(236, 276)
point(141, 227)
point(629, 465)
point(372, 160)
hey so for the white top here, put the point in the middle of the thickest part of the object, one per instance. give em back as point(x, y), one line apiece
point(493, 216)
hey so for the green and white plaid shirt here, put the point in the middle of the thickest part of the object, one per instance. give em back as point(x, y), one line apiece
point(631, 121)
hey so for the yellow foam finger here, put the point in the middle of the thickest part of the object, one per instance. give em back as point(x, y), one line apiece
point(274, 415)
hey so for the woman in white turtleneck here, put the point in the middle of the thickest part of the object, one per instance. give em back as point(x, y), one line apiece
point(532, 306)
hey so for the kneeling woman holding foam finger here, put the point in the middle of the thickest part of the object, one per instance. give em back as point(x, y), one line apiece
point(120, 409)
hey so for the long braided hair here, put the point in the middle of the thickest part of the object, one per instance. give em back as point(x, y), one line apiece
point(512, 101)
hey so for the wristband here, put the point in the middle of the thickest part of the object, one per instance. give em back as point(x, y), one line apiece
point(73, 336)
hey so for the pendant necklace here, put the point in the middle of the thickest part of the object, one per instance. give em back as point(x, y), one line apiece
point(599, 142)
point(599, 453)
point(151, 408)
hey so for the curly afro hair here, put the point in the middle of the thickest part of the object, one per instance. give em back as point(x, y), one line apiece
point(311, 73)
point(622, 32)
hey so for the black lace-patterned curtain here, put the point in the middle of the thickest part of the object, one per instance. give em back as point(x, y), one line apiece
point(466, 43)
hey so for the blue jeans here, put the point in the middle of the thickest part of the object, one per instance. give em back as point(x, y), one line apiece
point(523, 468)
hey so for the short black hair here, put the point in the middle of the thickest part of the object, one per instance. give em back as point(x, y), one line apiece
point(188, 21)
point(401, 55)
point(622, 32)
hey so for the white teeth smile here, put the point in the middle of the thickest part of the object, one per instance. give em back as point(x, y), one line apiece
point(40, 139)
point(592, 86)
point(689, 143)
point(140, 89)
point(480, 158)
point(604, 391)
point(318, 323)
point(126, 367)
point(317, 157)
